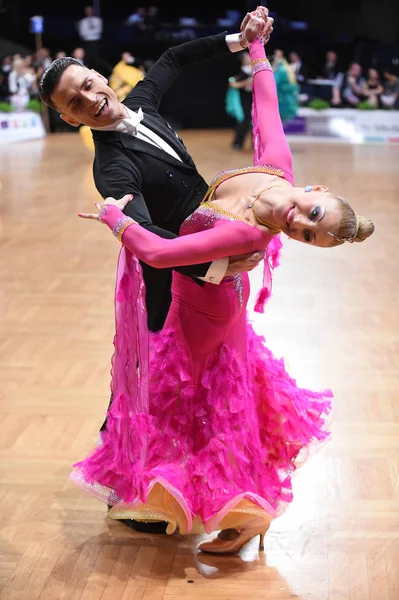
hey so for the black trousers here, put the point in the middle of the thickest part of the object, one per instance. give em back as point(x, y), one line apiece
point(244, 127)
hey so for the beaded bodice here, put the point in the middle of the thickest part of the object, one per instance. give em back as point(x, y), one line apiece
point(207, 213)
point(224, 175)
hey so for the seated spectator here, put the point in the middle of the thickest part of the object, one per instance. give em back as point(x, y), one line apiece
point(32, 75)
point(41, 61)
point(390, 95)
point(301, 74)
point(125, 76)
point(348, 91)
point(373, 88)
point(80, 55)
point(20, 84)
point(300, 71)
point(60, 54)
point(330, 69)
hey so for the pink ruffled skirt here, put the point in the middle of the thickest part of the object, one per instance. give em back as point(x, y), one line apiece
point(213, 447)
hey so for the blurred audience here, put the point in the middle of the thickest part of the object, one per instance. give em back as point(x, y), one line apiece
point(144, 20)
point(379, 89)
point(136, 18)
point(348, 91)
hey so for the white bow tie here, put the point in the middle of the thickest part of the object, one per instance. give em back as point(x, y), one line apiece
point(131, 124)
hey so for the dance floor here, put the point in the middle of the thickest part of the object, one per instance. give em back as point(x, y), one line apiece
point(334, 316)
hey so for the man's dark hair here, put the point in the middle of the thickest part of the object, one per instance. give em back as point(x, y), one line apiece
point(51, 77)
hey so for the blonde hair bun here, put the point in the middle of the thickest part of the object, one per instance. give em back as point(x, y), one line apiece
point(365, 227)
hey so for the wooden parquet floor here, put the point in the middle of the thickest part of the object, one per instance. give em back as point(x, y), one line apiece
point(334, 316)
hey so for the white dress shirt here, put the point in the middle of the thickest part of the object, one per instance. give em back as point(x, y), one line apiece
point(133, 125)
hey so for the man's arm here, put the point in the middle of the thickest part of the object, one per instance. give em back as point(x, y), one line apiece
point(172, 62)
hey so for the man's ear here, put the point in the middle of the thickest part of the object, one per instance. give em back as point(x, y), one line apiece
point(70, 121)
point(97, 74)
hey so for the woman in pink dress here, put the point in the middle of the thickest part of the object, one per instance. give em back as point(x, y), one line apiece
point(206, 427)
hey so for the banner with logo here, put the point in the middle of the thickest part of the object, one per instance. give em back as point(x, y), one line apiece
point(347, 124)
point(18, 126)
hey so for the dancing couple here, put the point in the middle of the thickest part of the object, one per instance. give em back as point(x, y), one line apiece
point(205, 428)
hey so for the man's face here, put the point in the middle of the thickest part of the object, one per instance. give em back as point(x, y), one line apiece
point(83, 96)
point(355, 70)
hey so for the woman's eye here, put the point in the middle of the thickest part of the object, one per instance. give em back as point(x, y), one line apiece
point(315, 213)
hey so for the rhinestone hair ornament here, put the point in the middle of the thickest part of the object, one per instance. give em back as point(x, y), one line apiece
point(348, 239)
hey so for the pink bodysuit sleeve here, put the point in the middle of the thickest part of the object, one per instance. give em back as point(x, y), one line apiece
point(227, 238)
point(270, 144)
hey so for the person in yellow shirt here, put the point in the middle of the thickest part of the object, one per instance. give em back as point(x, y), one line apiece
point(125, 76)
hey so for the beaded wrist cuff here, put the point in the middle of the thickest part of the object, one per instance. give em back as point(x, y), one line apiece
point(261, 64)
point(263, 37)
point(120, 226)
point(102, 210)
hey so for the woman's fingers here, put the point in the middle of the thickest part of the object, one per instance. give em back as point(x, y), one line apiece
point(89, 216)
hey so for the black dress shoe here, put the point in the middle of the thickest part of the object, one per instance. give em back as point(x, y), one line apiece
point(159, 527)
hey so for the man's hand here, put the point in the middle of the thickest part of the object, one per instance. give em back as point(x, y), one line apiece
point(256, 23)
point(243, 263)
point(100, 206)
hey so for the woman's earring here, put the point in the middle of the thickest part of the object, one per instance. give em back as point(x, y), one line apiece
point(308, 188)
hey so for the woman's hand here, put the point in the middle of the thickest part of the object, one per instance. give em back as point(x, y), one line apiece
point(102, 207)
point(256, 24)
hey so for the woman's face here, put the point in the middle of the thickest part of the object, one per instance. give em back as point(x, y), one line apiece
point(309, 216)
point(373, 74)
